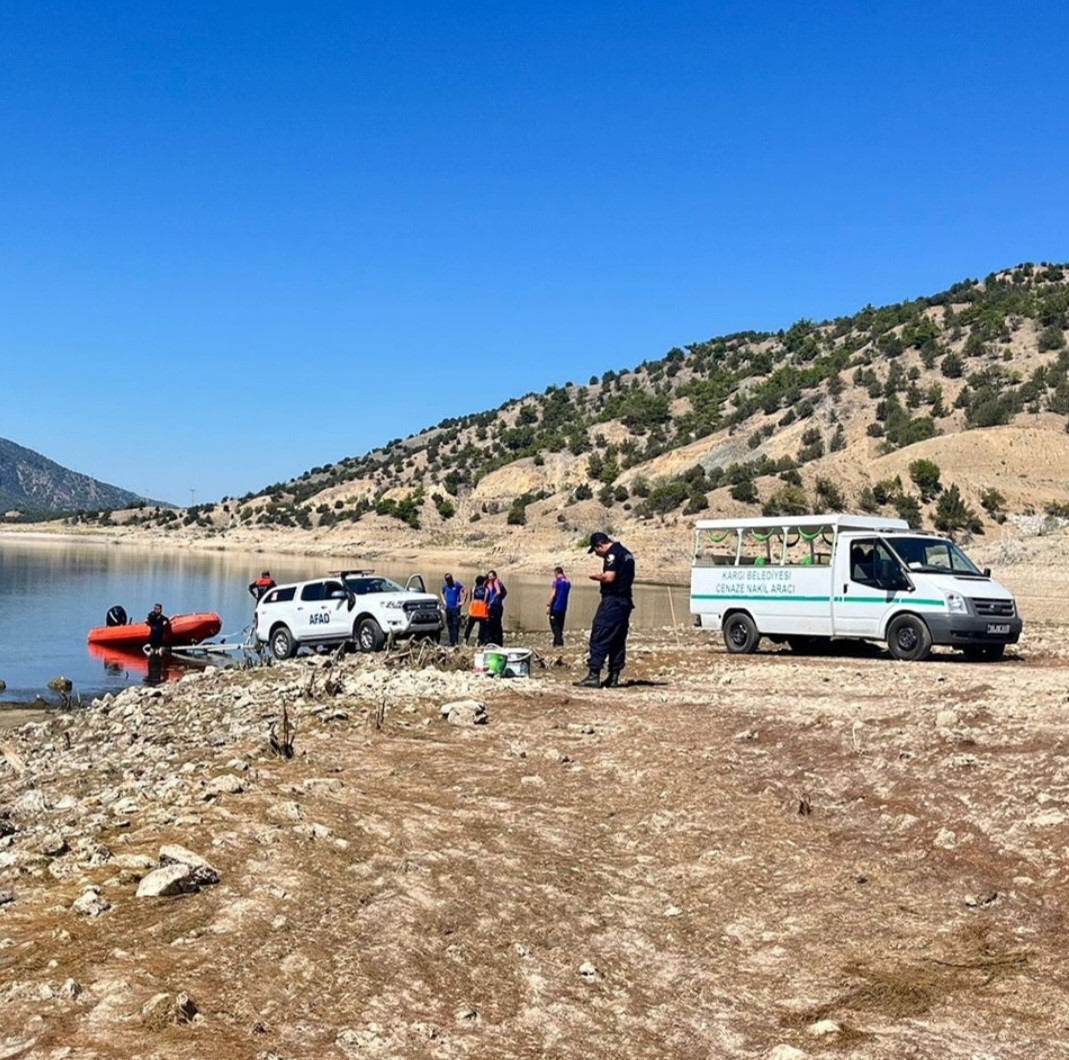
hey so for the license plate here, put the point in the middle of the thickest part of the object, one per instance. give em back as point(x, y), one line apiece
point(998, 627)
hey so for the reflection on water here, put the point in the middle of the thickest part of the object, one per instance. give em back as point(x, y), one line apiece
point(52, 593)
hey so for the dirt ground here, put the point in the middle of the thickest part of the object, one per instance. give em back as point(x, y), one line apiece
point(765, 856)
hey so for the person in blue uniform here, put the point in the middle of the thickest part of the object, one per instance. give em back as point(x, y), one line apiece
point(453, 596)
point(612, 622)
point(557, 606)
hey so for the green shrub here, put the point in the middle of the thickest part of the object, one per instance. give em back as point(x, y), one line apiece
point(745, 492)
point(925, 476)
point(952, 514)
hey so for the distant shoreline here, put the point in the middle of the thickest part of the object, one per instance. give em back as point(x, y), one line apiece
point(536, 557)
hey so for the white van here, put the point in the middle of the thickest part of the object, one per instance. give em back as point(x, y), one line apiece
point(806, 579)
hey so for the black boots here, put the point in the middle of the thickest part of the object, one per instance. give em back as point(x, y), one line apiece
point(593, 680)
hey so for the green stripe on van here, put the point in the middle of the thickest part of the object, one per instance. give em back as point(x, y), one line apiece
point(786, 597)
point(762, 596)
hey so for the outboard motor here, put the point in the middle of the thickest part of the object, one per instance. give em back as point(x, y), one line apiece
point(116, 616)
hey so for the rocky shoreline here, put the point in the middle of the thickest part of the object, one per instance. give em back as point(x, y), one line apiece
point(349, 856)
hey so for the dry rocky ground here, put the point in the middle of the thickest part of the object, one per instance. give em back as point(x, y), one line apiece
point(764, 856)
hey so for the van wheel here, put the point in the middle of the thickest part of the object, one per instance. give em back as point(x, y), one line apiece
point(908, 638)
point(283, 646)
point(741, 636)
point(984, 652)
point(369, 636)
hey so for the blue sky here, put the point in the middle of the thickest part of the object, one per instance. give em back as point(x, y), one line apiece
point(240, 240)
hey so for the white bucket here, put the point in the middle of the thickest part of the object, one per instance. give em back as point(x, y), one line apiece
point(479, 663)
point(517, 662)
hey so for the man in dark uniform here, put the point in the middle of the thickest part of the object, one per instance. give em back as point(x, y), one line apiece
point(159, 625)
point(608, 635)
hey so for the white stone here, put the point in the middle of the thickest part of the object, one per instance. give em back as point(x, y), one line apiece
point(162, 883)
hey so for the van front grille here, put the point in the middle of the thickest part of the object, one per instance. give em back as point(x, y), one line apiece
point(994, 608)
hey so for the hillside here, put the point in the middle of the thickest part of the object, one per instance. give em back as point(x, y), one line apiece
point(949, 410)
point(32, 484)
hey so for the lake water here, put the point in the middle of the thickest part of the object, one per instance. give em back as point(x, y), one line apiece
point(52, 593)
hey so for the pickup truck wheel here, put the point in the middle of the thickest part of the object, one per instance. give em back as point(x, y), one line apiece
point(909, 639)
point(984, 652)
point(741, 636)
point(283, 646)
point(369, 636)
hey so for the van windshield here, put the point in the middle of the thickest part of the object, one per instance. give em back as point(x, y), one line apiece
point(932, 554)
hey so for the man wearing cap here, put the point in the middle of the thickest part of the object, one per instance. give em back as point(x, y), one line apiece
point(608, 635)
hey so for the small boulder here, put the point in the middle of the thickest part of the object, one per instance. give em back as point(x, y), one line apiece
point(465, 712)
point(167, 882)
point(90, 903)
point(204, 873)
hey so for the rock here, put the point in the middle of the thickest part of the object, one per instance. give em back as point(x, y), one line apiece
point(946, 839)
point(6, 897)
point(61, 684)
point(285, 812)
point(588, 971)
point(133, 862)
point(465, 712)
point(227, 784)
point(786, 1052)
point(166, 882)
point(54, 845)
point(822, 1028)
point(70, 989)
point(204, 874)
point(89, 903)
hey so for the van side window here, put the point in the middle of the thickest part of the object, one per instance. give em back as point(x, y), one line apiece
point(873, 563)
point(863, 562)
point(312, 591)
point(280, 596)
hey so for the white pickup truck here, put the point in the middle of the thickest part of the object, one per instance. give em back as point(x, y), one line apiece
point(343, 606)
point(807, 579)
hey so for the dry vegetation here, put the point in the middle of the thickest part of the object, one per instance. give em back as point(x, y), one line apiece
point(728, 857)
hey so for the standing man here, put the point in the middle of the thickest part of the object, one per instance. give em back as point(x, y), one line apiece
point(261, 585)
point(558, 605)
point(159, 625)
point(608, 635)
point(453, 596)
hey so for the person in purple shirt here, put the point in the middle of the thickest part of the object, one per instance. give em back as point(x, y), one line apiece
point(558, 605)
point(495, 598)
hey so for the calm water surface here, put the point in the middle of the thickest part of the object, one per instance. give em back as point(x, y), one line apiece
point(52, 593)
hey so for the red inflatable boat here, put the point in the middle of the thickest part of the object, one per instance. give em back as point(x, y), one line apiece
point(185, 629)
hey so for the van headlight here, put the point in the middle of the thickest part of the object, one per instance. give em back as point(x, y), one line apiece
point(956, 604)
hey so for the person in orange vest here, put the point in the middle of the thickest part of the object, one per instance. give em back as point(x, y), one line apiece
point(261, 585)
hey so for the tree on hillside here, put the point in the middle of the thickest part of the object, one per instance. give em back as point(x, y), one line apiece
point(952, 514)
point(925, 475)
